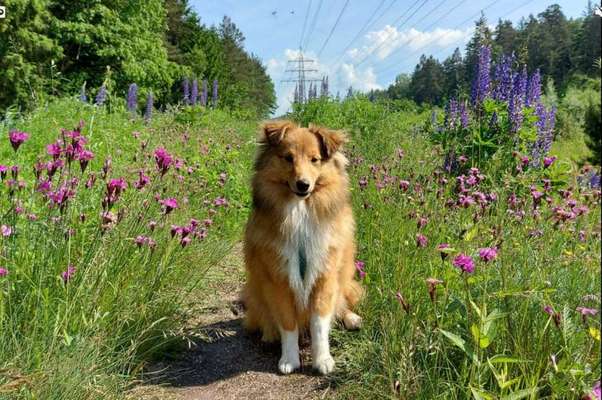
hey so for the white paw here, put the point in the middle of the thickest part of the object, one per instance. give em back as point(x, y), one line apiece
point(324, 364)
point(286, 365)
point(352, 321)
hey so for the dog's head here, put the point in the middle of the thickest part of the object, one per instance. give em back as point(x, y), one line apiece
point(300, 159)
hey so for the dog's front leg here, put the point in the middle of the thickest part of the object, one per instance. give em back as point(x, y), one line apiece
point(284, 314)
point(320, 320)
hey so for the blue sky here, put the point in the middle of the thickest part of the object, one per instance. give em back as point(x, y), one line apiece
point(399, 32)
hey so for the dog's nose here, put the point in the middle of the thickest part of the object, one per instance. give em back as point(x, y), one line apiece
point(302, 185)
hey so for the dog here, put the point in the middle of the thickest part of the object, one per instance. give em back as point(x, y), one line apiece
point(299, 245)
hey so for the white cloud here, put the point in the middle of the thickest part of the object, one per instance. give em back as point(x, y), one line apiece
point(384, 42)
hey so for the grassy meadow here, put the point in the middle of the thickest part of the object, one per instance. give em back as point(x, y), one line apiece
point(511, 325)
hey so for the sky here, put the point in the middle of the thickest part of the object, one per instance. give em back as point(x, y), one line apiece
point(373, 40)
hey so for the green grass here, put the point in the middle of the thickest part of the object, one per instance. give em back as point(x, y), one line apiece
point(484, 336)
point(83, 339)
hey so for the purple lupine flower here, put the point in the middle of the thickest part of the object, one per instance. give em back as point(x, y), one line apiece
point(488, 253)
point(194, 92)
point(533, 89)
point(148, 111)
point(463, 115)
point(132, 99)
point(451, 113)
point(204, 94)
point(545, 133)
point(17, 138)
point(517, 100)
point(101, 97)
point(82, 94)
point(3, 272)
point(503, 76)
point(186, 91)
point(214, 94)
point(464, 263)
point(68, 274)
point(481, 85)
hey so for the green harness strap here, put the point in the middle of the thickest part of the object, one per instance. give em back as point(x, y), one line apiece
point(302, 261)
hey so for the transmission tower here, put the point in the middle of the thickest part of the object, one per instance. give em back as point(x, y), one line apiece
point(303, 68)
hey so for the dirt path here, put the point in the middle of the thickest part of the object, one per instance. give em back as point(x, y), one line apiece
point(225, 362)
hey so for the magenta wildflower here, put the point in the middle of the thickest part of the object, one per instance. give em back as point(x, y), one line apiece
point(169, 204)
point(464, 263)
point(404, 185)
point(3, 272)
point(421, 240)
point(142, 181)
point(359, 266)
point(432, 287)
point(422, 221)
point(6, 230)
point(185, 241)
point(548, 161)
point(404, 303)
point(68, 274)
point(17, 138)
point(163, 160)
point(585, 312)
point(555, 315)
point(488, 253)
point(220, 201)
point(3, 171)
point(84, 158)
point(140, 240)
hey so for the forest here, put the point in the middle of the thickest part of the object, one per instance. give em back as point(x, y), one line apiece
point(61, 48)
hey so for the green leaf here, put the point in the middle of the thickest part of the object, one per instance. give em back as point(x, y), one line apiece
point(471, 233)
point(480, 394)
point(521, 394)
point(498, 359)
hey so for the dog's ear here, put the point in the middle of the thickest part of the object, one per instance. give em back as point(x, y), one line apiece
point(330, 140)
point(273, 131)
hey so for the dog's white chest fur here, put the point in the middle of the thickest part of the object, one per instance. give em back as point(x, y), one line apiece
point(304, 235)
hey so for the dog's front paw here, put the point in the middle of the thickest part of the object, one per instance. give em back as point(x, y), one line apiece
point(288, 364)
point(324, 364)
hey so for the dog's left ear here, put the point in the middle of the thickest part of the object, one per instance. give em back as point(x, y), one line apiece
point(330, 140)
point(273, 131)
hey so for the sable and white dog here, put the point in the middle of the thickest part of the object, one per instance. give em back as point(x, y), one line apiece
point(299, 242)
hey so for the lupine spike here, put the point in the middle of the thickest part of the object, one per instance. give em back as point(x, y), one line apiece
point(132, 99)
point(214, 97)
point(148, 112)
point(101, 96)
point(194, 92)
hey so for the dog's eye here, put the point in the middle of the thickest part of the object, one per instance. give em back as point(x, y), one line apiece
point(315, 160)
point(288, 157)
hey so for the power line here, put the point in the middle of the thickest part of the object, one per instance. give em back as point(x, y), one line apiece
point(305, 22)
point(313, 25)
point(456, 27)
point(363, 28)
point(389, 35)
point(442, 17)
point(333, 27)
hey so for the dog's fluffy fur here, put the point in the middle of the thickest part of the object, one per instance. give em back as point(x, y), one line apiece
point(301, 220)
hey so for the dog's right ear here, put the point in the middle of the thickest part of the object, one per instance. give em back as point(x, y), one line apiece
point(274, 131)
